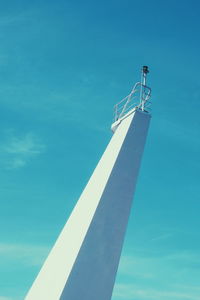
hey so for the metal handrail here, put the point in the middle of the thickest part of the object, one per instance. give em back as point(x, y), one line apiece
point(133, 100)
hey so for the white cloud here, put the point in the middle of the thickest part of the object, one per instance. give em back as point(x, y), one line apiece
point(26, 145)
point(166, 276)
point(30, 255)
point(17, 163)
point(162, 237)
point(135, 266)
point(17, 151)
point(129, 291)
point(177, 266)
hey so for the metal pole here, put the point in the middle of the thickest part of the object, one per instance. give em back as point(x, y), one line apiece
point(145, 71)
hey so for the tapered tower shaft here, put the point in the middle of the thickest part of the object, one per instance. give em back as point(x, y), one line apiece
point(84, 260)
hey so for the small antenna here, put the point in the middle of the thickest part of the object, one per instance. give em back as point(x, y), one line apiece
point(143, 88)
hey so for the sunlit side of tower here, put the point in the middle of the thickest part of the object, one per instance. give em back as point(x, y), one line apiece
point(84, 260)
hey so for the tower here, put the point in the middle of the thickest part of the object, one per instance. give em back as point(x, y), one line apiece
point(84, 260)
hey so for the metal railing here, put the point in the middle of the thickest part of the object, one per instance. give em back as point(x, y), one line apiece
point(138, 98)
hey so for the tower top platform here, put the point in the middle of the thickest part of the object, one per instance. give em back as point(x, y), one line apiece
point(138, 99)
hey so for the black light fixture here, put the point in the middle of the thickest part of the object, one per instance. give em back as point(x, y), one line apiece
point(145, 69)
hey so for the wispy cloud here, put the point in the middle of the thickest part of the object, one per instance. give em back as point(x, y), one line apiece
point(17, 151)
point(151, 265)
point(30, 255)
point(26, 145)
point(129, 291)
point(163, 276)
point(133, 266)
point(162, 237)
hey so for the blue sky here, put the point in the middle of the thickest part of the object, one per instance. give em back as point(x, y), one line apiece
point(63, 65)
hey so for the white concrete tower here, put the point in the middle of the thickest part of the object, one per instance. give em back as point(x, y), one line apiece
point(83, 263)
